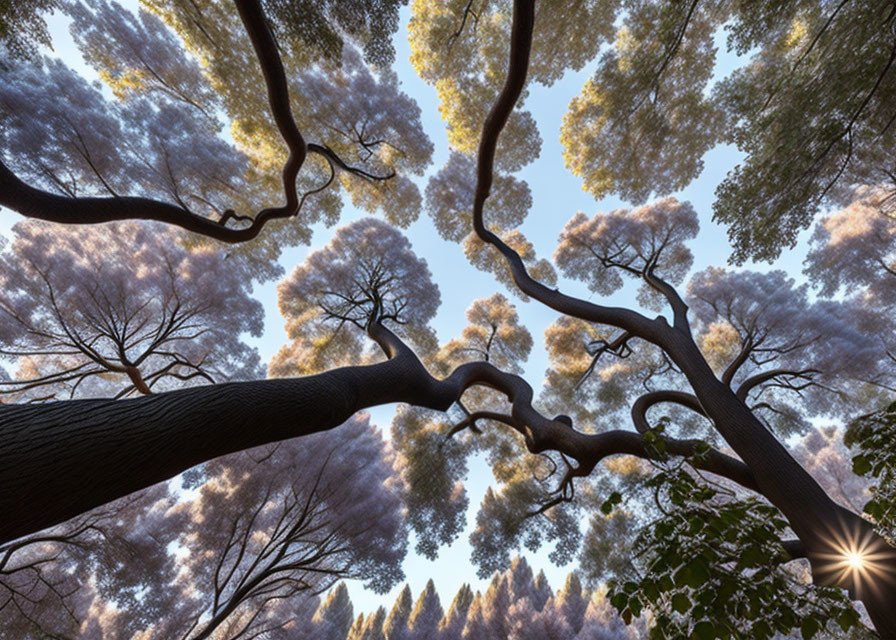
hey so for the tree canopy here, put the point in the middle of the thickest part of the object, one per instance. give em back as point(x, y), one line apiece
point(687, 444)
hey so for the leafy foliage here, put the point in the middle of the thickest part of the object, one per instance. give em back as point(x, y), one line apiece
point(811, 109)
point(712, 567)
point(329, 300)
point(874, 437)
point(22, 26)
point(120, 309)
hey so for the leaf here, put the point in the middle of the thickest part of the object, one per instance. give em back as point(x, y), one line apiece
point(610, 503)
point(809, 628)
point(681, 603)
point(847, 619)
point(704, 631)
point(761, 630)
point(860, 465)
point(619, 600)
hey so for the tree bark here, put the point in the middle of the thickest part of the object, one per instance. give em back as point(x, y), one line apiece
point(827, 530)
point(61, 459)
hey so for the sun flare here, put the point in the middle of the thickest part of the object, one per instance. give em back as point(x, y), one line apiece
point(855, 560)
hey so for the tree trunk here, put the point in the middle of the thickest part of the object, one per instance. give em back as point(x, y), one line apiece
point(828, 531)
point(61, 459)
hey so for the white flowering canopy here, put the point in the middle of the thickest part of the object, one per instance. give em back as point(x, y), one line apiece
point(110, 309)
point(367, 273)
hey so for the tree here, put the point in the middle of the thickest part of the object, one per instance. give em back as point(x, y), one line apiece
point(811, 110)
point(271, 523)
point(779, 356)
point(521, 615)
point(334, 616)
point(427, 613)
point(396, 625)
point(121, 309)
point(21, 26)
point(452, 625)
point(62, 582)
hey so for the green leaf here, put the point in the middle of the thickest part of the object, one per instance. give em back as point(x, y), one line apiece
point(681, 603)
point(761, 630)
point(619, 601)
point(847, 619)
point(809, 628)
point(860, 465)
point(650, 590)
point(753, 556)
point(704, 631)
point(610, 503)
point(698, 574)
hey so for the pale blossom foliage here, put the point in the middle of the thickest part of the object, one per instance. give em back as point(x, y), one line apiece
point(493, 334)
point(60, 133)
point(95, 576)
point(432, 470)
point(367, 273)
point(449, 199)
point(138, 53)
point(369, 122)
point(823, 454)
point(103, 310)
point(774, 326)
point(855, 248)
point(273, 524)
point(58, 130)
point(642, 242)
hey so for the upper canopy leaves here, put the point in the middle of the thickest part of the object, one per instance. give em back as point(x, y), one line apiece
point(644, 242)
point(367, 273)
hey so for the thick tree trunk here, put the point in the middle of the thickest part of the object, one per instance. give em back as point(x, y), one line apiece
point(828, 531)
point(61, 459)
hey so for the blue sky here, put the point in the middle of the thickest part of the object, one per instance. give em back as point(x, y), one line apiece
point(557, 195)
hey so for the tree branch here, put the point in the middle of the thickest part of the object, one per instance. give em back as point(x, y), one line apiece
point(520, 46)
point(754, 381)
point(648, 400)
point(35, 203)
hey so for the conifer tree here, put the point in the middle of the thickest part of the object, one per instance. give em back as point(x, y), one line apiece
point(373, 626)
point(333, 617)
point(571, 602)
point(427, 613)
point(396, 625)
point(452, 625)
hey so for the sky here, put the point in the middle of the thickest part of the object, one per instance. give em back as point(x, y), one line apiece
point(557, 195)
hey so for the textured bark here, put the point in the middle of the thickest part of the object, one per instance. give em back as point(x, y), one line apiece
point(821, 525)
point(61, 459)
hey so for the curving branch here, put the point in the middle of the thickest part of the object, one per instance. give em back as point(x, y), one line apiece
point(739, 360)
point(679, 306)
point(760, 378)
point(520, 47)
point(469, 422)
point(333, 158)
point(652, 398)
point(36, 203)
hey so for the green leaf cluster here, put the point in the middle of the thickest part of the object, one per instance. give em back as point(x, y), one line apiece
point(712, 566)
point(874, 437)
